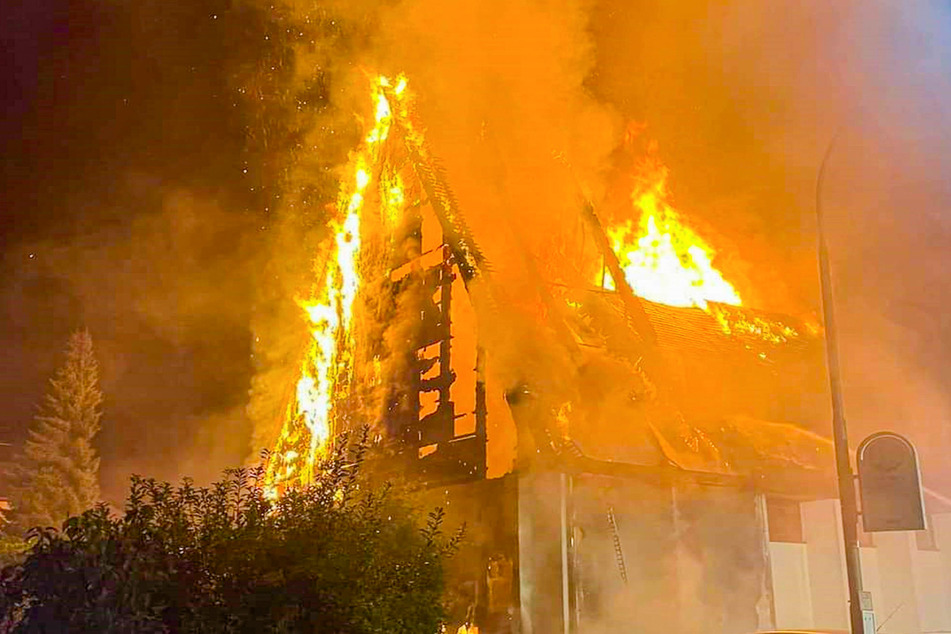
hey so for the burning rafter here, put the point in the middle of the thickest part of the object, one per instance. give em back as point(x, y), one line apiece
point(327, 368)
point(468, 256)
point(665, 261)
point(327, 365)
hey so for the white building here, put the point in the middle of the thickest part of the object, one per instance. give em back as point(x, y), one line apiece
point(908, 573)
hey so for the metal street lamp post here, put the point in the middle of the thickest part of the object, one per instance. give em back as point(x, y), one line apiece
point(846, 479)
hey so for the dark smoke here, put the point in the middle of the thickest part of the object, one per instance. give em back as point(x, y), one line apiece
point(133, 204)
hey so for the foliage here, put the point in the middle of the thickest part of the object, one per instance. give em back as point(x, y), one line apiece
point(12, 549)
point(338, 557)
point(57, 474)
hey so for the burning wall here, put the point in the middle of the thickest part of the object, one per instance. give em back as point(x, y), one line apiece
point(486, 147)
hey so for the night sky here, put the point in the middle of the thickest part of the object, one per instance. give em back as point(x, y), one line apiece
point(129, 207)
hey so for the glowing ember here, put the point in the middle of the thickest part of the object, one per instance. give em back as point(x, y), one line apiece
point(325, 370)
point(733, 321)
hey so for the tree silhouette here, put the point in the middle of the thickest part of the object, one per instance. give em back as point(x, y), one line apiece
point(57, 473)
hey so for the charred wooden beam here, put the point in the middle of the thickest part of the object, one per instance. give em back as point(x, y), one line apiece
point(632, 304)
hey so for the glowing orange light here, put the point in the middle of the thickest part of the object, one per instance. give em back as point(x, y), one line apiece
point(663, 259)
point(325, 369)
point(667, 262)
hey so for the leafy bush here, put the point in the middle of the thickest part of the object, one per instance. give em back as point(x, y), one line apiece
point(337, 557)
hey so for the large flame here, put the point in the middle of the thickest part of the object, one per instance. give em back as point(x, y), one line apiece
point(663, 259)
point(325, 371)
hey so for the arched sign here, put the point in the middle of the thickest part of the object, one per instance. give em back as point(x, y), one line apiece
point(890, 484)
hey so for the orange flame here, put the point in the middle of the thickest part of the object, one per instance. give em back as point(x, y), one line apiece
point(326, 367)
point(664, 260)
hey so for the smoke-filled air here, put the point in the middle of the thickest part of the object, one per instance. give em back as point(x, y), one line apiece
point(552, 267)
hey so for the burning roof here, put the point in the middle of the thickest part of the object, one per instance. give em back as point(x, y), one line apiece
point(669, 366)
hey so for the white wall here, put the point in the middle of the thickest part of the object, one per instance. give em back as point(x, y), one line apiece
point(822, 532)
point(792, 598)
point(941, 525)
point(871, 576)
point(931, 586)
point(897, 608)
point(911, 588)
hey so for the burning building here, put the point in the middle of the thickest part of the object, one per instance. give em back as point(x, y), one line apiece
point(613, 473)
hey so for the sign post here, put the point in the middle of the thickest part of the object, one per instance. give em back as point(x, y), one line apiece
point(890, 484)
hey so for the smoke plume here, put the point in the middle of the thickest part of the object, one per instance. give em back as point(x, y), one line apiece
point(525, 104)
point(200, 151)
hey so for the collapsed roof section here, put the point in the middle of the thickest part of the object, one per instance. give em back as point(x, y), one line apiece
point(741, 401)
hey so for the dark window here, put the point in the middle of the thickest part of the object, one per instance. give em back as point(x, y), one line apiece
point(785, 520)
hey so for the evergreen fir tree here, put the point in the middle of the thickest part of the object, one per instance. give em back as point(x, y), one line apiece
point(57, 474)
